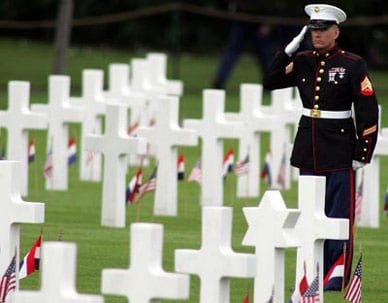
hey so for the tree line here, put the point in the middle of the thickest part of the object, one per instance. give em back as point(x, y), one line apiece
point(177, 30)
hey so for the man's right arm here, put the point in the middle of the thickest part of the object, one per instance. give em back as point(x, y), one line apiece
point(280, 73)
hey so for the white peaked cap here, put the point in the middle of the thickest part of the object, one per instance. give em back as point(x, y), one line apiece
point(325, 12)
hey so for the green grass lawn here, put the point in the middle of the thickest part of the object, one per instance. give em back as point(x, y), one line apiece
point(76, 213)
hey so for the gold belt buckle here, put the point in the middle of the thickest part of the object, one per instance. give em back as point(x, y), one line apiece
point(315, 113)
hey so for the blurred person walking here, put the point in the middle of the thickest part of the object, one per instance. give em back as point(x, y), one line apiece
point(242, 34)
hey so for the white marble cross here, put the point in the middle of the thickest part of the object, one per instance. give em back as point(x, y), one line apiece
point(215, 262)
point(289, 111)
point(93, 101)
point(212, 129)
point(17, 120)
point(60, 114)
point(58, 276)
point(158, 71)
point(13, 211)
point(370, 205)
point(145, 281)
point(313, 227)
point(271, 230)
point(164, 138)
point(255, 121)
point(136, 100)
point(140, 77)
point(115, 144)
point(118, 79)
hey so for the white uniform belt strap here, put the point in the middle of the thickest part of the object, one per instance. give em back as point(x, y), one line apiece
point(326, 114)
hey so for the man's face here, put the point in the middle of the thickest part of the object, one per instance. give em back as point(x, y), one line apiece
point(324, 39)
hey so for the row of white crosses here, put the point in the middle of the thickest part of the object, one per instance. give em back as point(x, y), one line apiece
point(88, 110)
point(272, 228)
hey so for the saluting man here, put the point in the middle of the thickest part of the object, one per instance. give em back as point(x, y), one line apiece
point(328, 141)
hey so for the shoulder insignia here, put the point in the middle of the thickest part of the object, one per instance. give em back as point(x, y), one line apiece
point(289, 68)
point(366, 87)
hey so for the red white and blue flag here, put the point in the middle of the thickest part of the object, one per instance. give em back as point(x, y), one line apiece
point(8, 280)
point(266, 170)
point(227, 165)
point(298, 292)
point(181, 167)
point(31, 151)
point(246, 299)
point(71, 152)
point(31, 261)
point(133, 186)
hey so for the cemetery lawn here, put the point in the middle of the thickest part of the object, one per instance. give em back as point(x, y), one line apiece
point(74, 215)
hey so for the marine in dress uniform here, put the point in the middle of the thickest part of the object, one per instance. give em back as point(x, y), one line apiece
point(329, 142)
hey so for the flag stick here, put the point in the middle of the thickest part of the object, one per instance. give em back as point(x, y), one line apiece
point(137, 211)
point(137, 200)
point(343, 278)
point(186, 204)
point(60, 234)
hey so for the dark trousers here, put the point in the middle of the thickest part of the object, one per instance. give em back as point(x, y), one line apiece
point(339, 203)
point(242, 34)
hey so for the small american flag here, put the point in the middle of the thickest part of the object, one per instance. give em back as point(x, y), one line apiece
point(8, 281)
point(353, 293)
point(148, 186)
point(312, 293)
point(358, 202)
point(48, 166)
point(242, 167)
point(282, 171)
point(89, 157)
point(196, 174)
point(132, 129)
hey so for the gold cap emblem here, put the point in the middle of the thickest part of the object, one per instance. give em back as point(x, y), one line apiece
point(316, 9)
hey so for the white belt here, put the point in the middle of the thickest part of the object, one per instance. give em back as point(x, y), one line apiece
point(326, 114)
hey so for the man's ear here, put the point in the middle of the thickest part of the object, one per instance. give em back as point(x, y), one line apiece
point(336, 33)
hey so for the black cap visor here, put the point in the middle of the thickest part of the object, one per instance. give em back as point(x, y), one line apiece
point(321, 24)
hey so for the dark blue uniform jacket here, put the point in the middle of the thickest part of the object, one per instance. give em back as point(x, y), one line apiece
point(330, 82)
